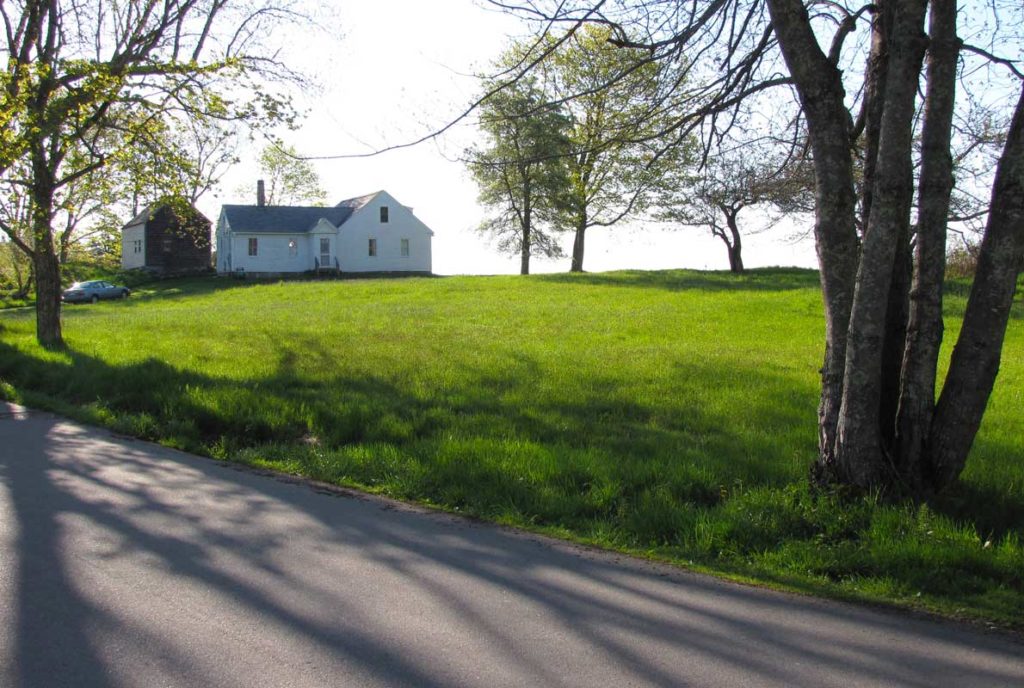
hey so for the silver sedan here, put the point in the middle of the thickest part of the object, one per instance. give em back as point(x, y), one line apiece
point(94, 290)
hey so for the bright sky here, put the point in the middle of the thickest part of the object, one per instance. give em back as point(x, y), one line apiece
point(396, 69)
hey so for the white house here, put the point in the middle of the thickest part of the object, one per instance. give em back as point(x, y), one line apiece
point(372, 233)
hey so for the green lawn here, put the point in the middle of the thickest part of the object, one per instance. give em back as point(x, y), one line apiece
point(665, 413)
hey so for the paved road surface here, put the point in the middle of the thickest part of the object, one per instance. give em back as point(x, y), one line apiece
point(126, 564)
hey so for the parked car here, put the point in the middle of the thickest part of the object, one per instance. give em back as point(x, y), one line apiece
point(94, 290)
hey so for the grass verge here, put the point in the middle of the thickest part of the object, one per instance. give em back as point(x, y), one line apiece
point(669, 414)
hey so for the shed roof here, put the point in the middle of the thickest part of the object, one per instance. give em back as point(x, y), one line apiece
point(150, 211)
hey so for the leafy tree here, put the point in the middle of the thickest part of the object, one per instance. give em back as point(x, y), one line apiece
point(880, 426)
point(734, 178)
point(616, 158)
point(290, 179)
point(16, 269)
point(86, 85)
point(521, 172)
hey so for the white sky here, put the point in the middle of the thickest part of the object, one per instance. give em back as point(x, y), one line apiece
point(396, 69)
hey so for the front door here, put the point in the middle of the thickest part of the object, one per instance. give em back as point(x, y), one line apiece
point(325, 252)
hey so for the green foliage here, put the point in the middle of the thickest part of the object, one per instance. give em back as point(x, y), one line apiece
point(669, 413)
point(93, 101)
point(576, 142)
point(520, 169)
point(617, 136)
point(290, 180)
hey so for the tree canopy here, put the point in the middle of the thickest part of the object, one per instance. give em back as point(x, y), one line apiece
point(290, 180)
point(89, 86)
point(520, 170)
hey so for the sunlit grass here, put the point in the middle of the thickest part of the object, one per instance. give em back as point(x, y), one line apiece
point(667, 413)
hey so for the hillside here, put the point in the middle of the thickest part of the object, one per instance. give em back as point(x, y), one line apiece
point(665, 413)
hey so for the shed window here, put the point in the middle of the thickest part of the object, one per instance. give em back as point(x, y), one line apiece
point(405, 247)
point(254, 246)
point(373, 247)
point(383, 213)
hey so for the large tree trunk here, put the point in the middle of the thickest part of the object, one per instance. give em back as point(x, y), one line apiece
point(47, 270)
point(975, 362)
point(860, 456)
point(885, 437)
point(819, 86)
point(925, 327)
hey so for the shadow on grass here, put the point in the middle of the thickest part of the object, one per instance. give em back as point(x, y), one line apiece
point(586, 439)
point(678, 471)
point(760, 279)
point(186, 287)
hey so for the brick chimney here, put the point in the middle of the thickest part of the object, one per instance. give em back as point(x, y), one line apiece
point(261, 196)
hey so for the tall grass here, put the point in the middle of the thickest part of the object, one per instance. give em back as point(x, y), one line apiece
point(667, 413)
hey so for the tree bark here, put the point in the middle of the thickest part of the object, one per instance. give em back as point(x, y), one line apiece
point(975, 361)
point(736, 246)
point(819, 86)
point(578, 244)
point(860, 457)
point(874, 101)
point(47, 267)
point(525, 249)
point(925, 327)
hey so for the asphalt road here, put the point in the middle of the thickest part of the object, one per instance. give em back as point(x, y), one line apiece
point(127, 564)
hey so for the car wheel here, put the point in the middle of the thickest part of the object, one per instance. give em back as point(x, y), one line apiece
point(124, 294)
point(94, 298)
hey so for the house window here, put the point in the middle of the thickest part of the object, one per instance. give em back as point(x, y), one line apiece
point(293, 248)
point(167, 244)
point(373, 247)
point(383, 213)
point(254, 246)
point(405, 247)
point(138, 245)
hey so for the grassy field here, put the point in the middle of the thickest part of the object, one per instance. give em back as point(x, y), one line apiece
point(670, 414)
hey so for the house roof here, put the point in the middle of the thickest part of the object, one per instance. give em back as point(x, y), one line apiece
point(282, 219)
point(147, 213)
point(140, 219)
point(357, 202)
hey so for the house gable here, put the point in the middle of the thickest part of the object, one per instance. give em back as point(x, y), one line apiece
point(400, 241)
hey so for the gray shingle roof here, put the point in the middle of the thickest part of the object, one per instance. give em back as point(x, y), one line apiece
point(141, 218)
point(357, 202)
point(288, 219)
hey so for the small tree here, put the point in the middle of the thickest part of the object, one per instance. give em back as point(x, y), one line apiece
point(290, 179)
point(521, 172)
point(617, 157)
point(734, 178)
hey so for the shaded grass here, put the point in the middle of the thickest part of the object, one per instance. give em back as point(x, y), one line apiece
point(8, 299)
point(667, 413)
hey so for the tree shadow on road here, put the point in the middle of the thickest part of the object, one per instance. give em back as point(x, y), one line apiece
point(373, 594)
